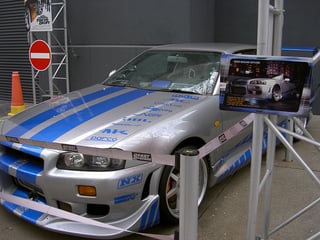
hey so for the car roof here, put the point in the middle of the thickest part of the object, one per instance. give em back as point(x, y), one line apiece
point(207, 47)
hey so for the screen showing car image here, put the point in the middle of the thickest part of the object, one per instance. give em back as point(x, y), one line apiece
point(279, 85)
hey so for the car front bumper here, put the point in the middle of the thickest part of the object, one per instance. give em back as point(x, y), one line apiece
point(119, 199)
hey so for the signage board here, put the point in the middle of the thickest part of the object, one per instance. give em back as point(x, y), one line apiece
point(38, 15)
point(40, 55)
point(276, 85)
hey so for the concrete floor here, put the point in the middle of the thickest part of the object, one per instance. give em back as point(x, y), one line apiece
point(224, 213)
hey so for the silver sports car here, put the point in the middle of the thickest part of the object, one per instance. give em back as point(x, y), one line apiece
point(164, 100)
point(275, 88)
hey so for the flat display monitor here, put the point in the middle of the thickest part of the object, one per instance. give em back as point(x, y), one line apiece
point(271, 85)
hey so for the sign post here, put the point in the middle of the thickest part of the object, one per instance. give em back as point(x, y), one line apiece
point(40, 55)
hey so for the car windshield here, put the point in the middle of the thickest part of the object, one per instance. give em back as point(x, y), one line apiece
point(194, 72)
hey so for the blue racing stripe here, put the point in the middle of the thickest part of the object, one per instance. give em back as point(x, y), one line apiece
point(7, 144)
point(5, 161)
point(25, 126)
point(143, 222)
point(59, 128)
point(32, 150)
point(150, 217)
point(18, 193)
point(28, 172)
point(153, 214)
point(31, 215)
point(27, 214)
point(24, 170)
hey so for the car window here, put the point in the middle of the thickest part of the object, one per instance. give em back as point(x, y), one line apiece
point(194, 72)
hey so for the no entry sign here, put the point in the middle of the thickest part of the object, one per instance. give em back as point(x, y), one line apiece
point(40, 55)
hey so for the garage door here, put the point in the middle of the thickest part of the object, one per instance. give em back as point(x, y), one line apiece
point(14, 48)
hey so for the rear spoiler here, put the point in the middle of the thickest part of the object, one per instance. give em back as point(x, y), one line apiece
point(312, 52)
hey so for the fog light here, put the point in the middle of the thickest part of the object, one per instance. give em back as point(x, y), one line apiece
point(87, 190)
point(65, 206)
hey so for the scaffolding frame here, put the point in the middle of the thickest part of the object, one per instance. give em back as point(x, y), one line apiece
point(58, 71)
point(270, 22)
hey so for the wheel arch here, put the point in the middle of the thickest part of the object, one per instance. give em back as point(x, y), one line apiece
point(276, 85)
point(192, 141)
point(156, 174)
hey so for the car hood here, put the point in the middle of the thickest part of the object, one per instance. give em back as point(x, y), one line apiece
point(100, 116)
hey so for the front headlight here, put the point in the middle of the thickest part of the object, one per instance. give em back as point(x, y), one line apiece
point(258, 81)
point(81, 162)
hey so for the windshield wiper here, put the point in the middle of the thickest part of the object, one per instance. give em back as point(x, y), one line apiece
point(177, 91)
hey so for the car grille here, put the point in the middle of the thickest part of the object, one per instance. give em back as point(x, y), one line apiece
point(238, 90)
point(33, 189)
point(23, 159)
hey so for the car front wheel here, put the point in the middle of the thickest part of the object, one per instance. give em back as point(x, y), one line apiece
point(169, 188)
point(276, 93)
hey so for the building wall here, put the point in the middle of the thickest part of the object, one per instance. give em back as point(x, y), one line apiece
point(105, 34)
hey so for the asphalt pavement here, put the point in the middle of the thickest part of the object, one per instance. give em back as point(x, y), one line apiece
point(224, 213)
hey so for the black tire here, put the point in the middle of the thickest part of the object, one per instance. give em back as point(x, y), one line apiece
point(169, 205)
point(276, 93)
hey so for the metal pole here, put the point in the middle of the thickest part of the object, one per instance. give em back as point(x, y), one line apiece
point(189, 184)
point(268, 184)
point(257, 139)
point(33, 74)
point(278, 27)
point(66, 45)
point(263, 22)
point(276, 38)
point(290, 127)
point(255, 175)
point(50, 68)
point(294, 152)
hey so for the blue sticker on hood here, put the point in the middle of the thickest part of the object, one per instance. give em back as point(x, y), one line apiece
point(61, 127)
point(25, 126)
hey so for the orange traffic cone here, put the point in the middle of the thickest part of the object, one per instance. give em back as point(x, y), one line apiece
point(17, 103)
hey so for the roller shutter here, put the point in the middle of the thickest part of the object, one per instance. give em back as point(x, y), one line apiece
point(14, 49)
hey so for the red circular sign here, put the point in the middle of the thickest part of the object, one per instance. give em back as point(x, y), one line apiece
point(40, 55)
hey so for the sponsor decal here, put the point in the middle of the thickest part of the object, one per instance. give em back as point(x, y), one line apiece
point(125, 198)
point(136, 119)
point(12, 139)
point(71, 148)
point(150, 114)
point(184, 96)
point(239, 163)
point(141, 156)
point(158, 109)
point(168, 104)
point(179, 100)
point(126, 124)
point(103, 139)
point(129, 181)
point(222, 138)
point(243, 123)
point(114, 131)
